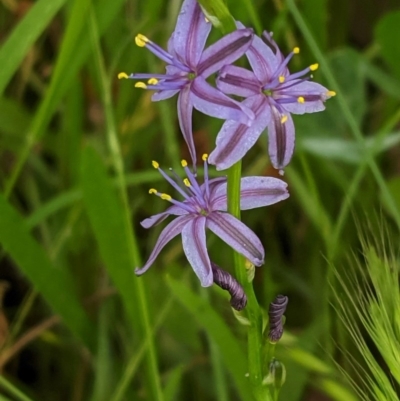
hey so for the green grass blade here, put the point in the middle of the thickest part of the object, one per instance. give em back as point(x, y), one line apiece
point(78, 19)
point(112, 230)
point(53, 283)
point(23, 36)
point(173, 383)
point(346, 112)
point(11, 389)
point(233, 357)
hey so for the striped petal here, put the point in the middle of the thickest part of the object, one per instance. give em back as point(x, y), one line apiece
point(235, 139)
point(191, 33)
point(158, 218)
point(254, 192)
point(185, 110)
point(237, 235)
point(238, 81)
point(280, 138)
point(170, 231)
point(214, 103)
point(195, 248)
point(225, 51)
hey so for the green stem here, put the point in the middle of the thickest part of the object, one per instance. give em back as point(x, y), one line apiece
point(255, 340)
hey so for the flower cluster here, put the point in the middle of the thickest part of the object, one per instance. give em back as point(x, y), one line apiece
point(270, 95)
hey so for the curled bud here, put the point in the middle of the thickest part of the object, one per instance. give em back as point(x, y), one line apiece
point(276, 310)
point(224, 280)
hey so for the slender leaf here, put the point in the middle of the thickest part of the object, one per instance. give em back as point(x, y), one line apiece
point(23, 36)
point(52, 282)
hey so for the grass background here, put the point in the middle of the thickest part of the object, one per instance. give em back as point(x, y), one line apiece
point(76, 147)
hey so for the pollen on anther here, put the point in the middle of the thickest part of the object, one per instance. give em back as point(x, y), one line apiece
point(186, 182)
point(331, 93)
point(300, 99)
point(165, 197)
point(152, 191)
point(123, 75)
point(296, 50)
point(155, 164)
point(141, 40)
point(141, 85)
point(184, 163)
point(152, 81)
point(283, 119)
point(281, 79)
point(204, 157)
point(314, 67)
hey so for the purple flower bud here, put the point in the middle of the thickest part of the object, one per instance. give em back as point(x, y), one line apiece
point(276, 311)
point(224, 280)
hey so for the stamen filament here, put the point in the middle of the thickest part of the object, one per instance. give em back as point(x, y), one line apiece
point(170, 180)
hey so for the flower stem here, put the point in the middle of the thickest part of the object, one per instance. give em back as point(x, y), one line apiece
point(255, 339)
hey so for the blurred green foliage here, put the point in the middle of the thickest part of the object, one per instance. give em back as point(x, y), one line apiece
point(76, 147)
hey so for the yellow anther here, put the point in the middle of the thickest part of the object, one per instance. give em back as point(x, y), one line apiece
point(155, 164)
point(186, 182)
point(165, 197)
point(123, 75)
point(183, 163)
point(141, 40)
point(283, 119)
point(281, 79)
point(152, 191)
point(314, 67)
point(296, 50)
point(204, 157)
point(300, 99)
point(141, 85)
point(331, 93)
point(152, 81)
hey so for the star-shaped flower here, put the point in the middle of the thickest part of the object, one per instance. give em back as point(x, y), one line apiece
point(205, 206)
point(273, 93)
point(188, 67)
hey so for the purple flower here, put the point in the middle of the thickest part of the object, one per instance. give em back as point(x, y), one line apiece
point(205, 206)
point(273, 93)
point(188, 67)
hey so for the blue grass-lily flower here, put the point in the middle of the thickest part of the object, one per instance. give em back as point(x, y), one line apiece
point(205, 206)
point(188, 67)
point(273, 93)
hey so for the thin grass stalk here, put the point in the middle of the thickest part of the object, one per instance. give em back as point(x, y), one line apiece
point(138, 292)
point(14, 391)
point(347, 114)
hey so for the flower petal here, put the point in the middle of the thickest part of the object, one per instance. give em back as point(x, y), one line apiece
point(185, 110)
point(191, 33)
point(254, 192)
point(237, 235)
point(314, 96)
point(280, 138)
point(262, 59)
point(238, 81)
point(195, 248)
point(158, 218)
point(225, 51)
point(214, 103)
point(169, 232)
point(235, 139)
point(162, 95)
